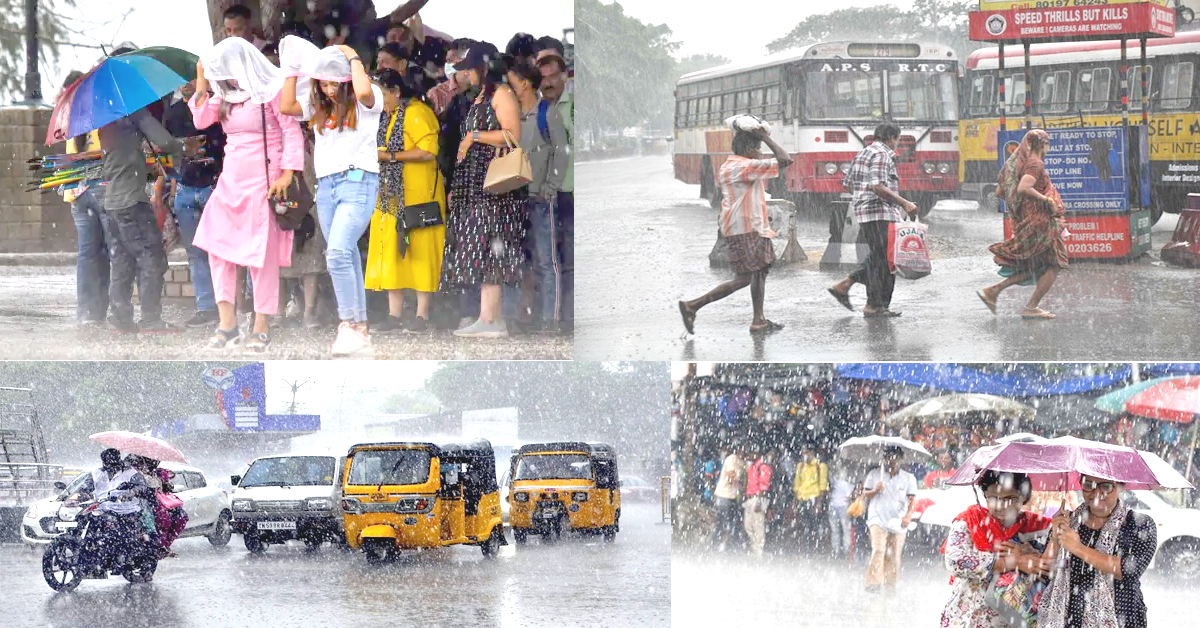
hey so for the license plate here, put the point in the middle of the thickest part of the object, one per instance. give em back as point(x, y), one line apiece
point(66, 525)
point(276, 525)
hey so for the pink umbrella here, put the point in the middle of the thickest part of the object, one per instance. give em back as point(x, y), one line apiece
point(140, 444)
point(1175, 399)
point(1056, 465)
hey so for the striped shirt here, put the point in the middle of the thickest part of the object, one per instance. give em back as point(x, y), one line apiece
point(744, 195)
point(873, 165)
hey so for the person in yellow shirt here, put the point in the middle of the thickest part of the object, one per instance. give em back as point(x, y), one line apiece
point(87, 211)
point(810, 488)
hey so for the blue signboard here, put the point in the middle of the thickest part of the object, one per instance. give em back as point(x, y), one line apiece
point(1088, 166)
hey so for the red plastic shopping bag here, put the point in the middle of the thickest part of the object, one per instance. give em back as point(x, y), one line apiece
point(908, 251)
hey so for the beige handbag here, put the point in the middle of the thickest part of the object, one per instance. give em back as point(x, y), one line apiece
point(510, 171)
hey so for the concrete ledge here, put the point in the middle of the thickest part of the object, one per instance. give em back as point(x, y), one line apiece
point(37, 259)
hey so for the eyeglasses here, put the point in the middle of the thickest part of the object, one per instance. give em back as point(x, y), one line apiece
point(1088, 485)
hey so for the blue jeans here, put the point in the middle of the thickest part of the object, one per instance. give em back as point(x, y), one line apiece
point(91, 266)
point(564, 214)
point(545, 235)
point(344, 208)
point(189, 202)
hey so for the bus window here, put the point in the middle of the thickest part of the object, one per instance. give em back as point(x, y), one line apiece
point(922, 96)
point(702, 112)
point(983, 94)
point(756, 102)
point(743, 102)
point(680, 113)
point(1177, 85)
point(772, 96)
point(843, 95)
point(1093, 89)
point(714, 110)
point(1054, 92)
point(1014, 94)
point(1135, 86)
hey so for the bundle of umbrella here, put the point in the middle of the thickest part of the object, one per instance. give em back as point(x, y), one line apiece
point(63, 172)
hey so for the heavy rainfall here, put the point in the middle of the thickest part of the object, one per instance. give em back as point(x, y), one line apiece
point(288, 493)
point(670, 203)
point(905, 494)
point(171, 190)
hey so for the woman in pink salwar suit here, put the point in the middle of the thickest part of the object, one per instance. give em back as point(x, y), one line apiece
point(238, 226)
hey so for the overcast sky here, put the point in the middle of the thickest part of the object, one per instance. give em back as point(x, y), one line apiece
point(737, 30)
point(184, 24)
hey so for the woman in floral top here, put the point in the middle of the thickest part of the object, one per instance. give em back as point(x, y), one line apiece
point(987, 541)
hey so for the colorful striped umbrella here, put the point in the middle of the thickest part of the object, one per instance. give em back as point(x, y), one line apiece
point(1115, 401)
point(117, 87)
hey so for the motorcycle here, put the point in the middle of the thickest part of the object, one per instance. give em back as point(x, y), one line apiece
point(91, 547)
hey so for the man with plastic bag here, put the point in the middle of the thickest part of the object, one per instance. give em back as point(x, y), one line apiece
point(877, 203)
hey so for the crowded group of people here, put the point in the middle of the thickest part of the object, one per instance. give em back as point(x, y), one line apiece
point(350, 157)
point(1033, 255)
point(1082, 567)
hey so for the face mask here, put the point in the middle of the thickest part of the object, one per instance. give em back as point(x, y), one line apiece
point(449, 70)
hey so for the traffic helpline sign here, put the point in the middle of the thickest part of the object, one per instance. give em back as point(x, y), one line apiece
point(1069, 21)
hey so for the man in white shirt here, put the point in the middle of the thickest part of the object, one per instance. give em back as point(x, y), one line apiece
point(889, 512)
point(727, 499)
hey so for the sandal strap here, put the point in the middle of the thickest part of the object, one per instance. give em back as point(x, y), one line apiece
point(222, 337)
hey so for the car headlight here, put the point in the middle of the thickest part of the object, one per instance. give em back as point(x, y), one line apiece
point(943, 168)
point(831, 168)
point(930, 167)
point(521, 497)
point(579, 496)
point(351, 505)
point(846, 168)
point(242, 505)
point(318, 503)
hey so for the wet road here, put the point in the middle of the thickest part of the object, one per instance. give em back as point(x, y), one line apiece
point(37, 312)
point(645, 243)
point(800, 592)
point(578, 582)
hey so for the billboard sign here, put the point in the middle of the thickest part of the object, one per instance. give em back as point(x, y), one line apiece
point(1086, 165)
point(1060, 23)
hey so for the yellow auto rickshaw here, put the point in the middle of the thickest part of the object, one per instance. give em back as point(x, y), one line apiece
point(564, 486)
point(403, 496)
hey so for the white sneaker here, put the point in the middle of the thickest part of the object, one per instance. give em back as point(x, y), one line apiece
point(466, 322)
point(350, 341)
point(480, 329)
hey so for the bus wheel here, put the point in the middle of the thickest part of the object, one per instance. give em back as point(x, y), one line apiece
point(520, 535)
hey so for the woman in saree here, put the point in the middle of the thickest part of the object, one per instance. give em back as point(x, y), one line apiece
point(1037, 250)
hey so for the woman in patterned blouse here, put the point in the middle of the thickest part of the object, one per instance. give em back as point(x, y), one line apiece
point(988, 541)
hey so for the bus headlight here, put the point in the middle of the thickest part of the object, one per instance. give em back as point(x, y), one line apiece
point(929, 167)
point(846, 168)
point(579, 496)
point(521, 497)
point(831, 168)
point(943, 168)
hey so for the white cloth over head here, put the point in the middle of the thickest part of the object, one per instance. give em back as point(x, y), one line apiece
point(744, 122)
point(234, 58)
point(301, 58)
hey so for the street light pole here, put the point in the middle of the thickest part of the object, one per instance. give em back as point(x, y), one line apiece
point(33, 79)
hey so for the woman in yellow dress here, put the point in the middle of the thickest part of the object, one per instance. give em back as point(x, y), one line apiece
point(408, 175)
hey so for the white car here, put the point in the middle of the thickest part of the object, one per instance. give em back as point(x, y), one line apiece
point(289, 496)
point(1178, 528)
point(206, 505)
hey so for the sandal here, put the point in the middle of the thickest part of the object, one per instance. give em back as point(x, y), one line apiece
point(767, 327)
point(880, 314)
point(257, 343)
point(842, 297)
point(689, 317)
point(1037, 314)
point(990, 303)
point(224, 339)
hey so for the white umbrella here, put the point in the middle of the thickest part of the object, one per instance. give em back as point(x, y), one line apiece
point(869, 449)
point(1020, 437)
point(950, 408)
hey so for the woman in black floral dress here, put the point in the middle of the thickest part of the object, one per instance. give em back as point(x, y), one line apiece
point(484, 231)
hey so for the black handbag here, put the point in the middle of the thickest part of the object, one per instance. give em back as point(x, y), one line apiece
point(289, 214)
point(411, 217)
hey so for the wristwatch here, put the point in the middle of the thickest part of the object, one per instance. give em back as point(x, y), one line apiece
point(475, 136)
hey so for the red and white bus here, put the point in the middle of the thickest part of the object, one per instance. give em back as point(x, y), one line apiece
point(823, 102)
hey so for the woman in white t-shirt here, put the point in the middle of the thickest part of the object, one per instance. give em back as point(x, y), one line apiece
point(343, 111)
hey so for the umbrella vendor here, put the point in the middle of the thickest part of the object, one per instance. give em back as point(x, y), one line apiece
point(987, 541)
point(129, 222)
